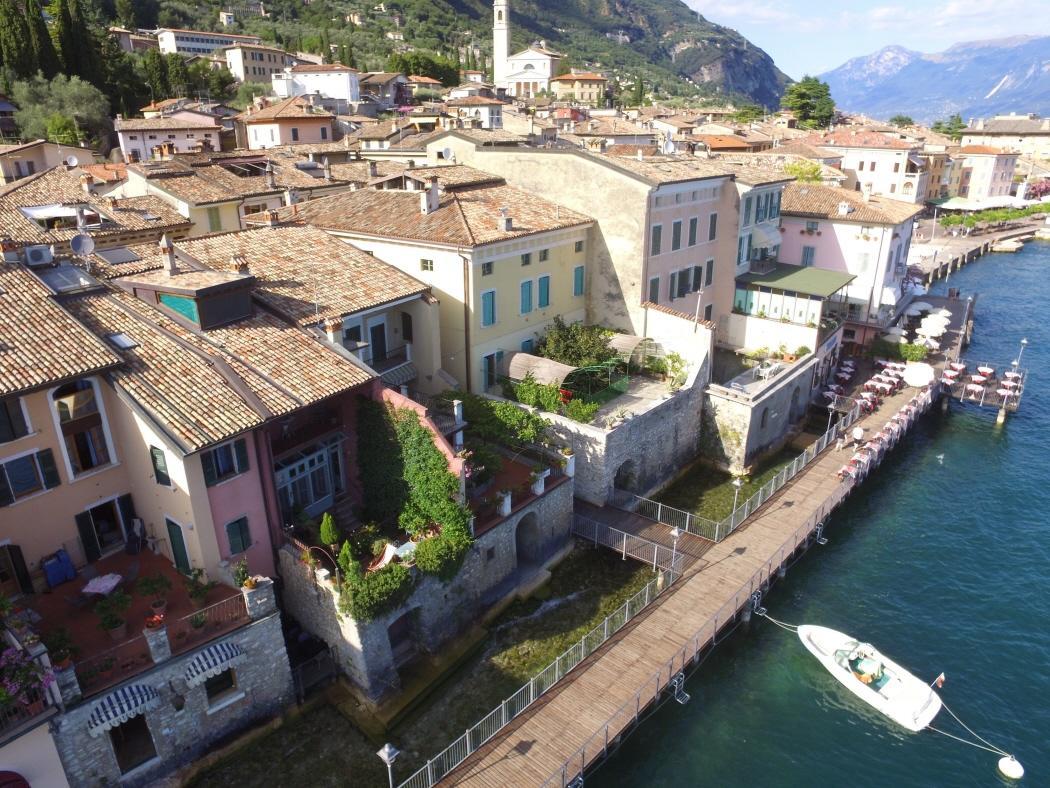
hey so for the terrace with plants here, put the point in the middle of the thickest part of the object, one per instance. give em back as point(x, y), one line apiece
point(592, 375)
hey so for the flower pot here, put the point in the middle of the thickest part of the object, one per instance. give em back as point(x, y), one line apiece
point(34, 707)
point(119, 632)
point(63, 662)
point(159, 607)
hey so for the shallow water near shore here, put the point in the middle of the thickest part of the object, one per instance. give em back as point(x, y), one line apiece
point(941, 559)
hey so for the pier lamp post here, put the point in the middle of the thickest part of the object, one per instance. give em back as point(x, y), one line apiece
point(1024, 344)
point(388, 755)
point(831, 413)
point(737, 484)
point(675, 533)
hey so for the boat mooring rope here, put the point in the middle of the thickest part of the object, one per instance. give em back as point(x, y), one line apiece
point(781, 624)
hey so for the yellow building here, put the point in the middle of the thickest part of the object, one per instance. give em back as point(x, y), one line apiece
point(502, 261)
point(586, 88)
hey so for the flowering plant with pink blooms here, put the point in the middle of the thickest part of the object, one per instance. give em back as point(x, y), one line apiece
point(22, 678)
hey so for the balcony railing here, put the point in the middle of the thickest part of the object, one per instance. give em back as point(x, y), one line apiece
point(206, 624)
point(393, 357)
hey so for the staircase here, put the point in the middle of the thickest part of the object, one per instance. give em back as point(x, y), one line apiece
point(343, 513)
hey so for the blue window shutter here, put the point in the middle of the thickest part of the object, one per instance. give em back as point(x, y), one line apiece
point(240, 448)
point(544, 295)
point(577, 280)
point(488, 308)
point(526, 297)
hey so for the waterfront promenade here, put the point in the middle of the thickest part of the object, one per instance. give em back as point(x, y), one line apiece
point(570, 727)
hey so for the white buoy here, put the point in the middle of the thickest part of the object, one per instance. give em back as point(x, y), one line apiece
point(1011, 768)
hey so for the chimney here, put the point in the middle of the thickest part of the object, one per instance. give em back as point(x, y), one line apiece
point(866, 192)
point(239, 264)
point(327, 165)
point(86, 182)
point(290, 196)
point(980, 124)
point(844, 208)
point(430, 199)
point(167, 248)
point(393, 125)
point(271, 181)
point(506, 223)
point(638, 154)
point(10, 249)
point(373, 170)
point(272, 218)
point(411, 164)
point(80, 218)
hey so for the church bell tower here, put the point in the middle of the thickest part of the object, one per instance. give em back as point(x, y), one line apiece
point(500, 41)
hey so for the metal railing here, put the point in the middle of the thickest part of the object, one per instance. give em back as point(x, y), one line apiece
point(656, 555)
point(597, 746)
point(207, 623)
point(476, 736)
point(717, 531)
point(112, 666)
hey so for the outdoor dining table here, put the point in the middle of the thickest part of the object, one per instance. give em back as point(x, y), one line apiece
point(986, 370)
point(1005, 393)
point(1009, 384)
point(979, 378)
point(951, 373)
point(1012, 375)
point(102, 585)
point(843, 375)
point(947, 381)
point(957, 366)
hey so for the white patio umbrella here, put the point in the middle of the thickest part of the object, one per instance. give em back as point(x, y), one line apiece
point(922, 306)
point(896, 330)
point(943, 313)
point(898, 340)
point(936, 319)
point(935, 331)
point(913, 311)
point(918, 374)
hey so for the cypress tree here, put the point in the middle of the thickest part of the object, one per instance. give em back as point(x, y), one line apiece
point(40, 40)
point(14, 40)
point(63, 31)
point(76, 41)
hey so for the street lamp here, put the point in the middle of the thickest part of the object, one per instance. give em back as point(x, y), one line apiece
point(737, 484)
point(1024, 344)
point(675, 533)
point(388, 755)
point(831, 412)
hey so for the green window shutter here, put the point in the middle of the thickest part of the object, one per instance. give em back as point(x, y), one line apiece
point(488, 308)
point(526, 297)
point(6, 497)
point(160, 466)
point(208, 466)
point(577, 280)
point(48, 469)
point(697, 277)
point(12, 422)
point(87, 536)
point(710, 273)
point(127, 510)
point(544, 296)
point(240, 448)
point(238, 536)
point(692, 231)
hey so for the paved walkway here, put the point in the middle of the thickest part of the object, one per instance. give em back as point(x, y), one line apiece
point(576, 712)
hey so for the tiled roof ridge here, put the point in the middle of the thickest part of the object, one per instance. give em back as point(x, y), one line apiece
point(667, 310)
point(463, 216)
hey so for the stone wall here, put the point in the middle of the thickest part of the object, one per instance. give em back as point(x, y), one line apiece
point(264, 688)
point(439, 611)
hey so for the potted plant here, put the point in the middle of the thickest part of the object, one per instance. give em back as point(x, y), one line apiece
point(250, 583)
point(110, 612)
point(155, 621)
point(240, 573)
point(198, 620)
point(197, 588)
point(22, 678)
point(60, 647)
point(156, 586)
point(105, 667)
point(329, 532)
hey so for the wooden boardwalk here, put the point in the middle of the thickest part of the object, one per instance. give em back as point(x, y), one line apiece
point(573, 721)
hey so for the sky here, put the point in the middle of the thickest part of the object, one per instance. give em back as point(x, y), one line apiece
point(814, 36)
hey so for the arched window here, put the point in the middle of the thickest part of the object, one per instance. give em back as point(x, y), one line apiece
point(80, 421)
point(529, 67)
point(765, 417)
point(907, 187)
point(499, 16)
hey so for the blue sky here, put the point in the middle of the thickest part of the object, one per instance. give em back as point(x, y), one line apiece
point(813, 36)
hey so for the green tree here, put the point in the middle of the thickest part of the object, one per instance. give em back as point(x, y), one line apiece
point(77, 44)
point(179, 82)
point(638, 91)
point(902, 120)
point(246, 93)
point(40, 43)
point(39, 100)
point(326, 47)
point(61, 129)
point(748, 113)
point(15, 47)
point(810, 100)
point(953, 127)
point(804, 170)
point(329, 532)
point(126, 13)
point(155, 71)
point(423, 64)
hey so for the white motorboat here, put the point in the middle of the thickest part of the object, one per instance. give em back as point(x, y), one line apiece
point(872, 677)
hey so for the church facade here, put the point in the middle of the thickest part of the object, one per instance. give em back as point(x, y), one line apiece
point(526, 73)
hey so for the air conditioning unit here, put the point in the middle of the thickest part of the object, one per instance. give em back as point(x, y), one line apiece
point(38, 255)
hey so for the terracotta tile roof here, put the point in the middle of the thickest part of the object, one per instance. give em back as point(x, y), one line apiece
point(806, 151)
point(41, 343)
point(156, 105)
point(162, 123)
point(451, 176)
point(491, 136)
point(474, 101)
point(379, 77)
point(708, 324)
point(812, 199)
point(205, 33)
point(178, 376)
point(295, 107)
point(138, 258)
point(600, 127)
point(1007, 125)
point(586, 76)
point(667, 169)
point(852, 138)
point(722, 141)
point(61, 186)
point(358, 171)
point(322, 68)
point(981, 150)
point(422, 80)
point(464, 217)
point(110, 172)
point(304, 273)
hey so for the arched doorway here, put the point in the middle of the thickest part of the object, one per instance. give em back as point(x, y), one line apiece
point(626, 476)
point(794, 404)
point(402, 639)
point(528, 541)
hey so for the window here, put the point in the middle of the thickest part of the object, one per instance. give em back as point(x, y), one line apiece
point(23, 476)
point(13, 424)
point(808, 253)
point(239, 536)
point(761, 205)
point(692, 231)
point(490, 369)
point(860, 166)
point(526, 296)
point(544, 255)
point(740, 246)
point(698, 278)
point(543, 295)
point(80, 422)
point(219, 688)
point(896, 166)
point(103, 526)
point(295, 134)
point(577, 280)
point(712, 227)
point(654, 239)
point(578, 247)
point(224, 461)
point(774, 205)
point(654, 290)
point(871, 167)
point(160, 466)
point(683, 283)
point(811, 227)
point(486, 269)
point(709, 311)
point(527, 345)
point(488, 308)
point(426, 265)
point(132, 744)
point(710, 276)
point(406, 326)
point(747, 211)
point(214, 220)
point(676, 235)
point(526, 259)
point(893, 188)
point(672, 286)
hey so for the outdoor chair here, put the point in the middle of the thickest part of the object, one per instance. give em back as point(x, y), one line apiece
point(130, 576)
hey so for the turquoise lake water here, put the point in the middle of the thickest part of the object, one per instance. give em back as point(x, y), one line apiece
point(941, 562)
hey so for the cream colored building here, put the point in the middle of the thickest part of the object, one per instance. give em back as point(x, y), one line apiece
point(583, 87)
point(256, 63)
point(502, 262)
point(987, 173)
point(1026, 134)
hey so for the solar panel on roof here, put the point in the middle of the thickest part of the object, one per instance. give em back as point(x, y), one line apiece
point(118, 256)
point(64, 278)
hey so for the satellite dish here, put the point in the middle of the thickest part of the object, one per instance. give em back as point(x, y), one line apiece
point(82, 245)
point(446, 153)
point(72, 161)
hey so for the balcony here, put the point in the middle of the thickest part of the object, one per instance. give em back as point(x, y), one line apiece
point(101, 659)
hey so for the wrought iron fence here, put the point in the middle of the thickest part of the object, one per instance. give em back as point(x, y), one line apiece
point(207, 623)
point(459, 750)
point(112, 666)
point(628, 714)
point(717, 531)
point(656, 555)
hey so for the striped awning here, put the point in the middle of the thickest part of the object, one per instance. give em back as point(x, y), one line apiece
point(400, 375)
point(120, 706)
point(212, 661)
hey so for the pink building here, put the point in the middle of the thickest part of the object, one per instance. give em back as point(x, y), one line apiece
point(987, 175)
point(289, 122)
point(839, 230)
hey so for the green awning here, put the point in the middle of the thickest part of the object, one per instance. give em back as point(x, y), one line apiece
point(807, 280)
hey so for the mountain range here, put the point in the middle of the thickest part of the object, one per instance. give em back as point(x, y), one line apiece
point(973, 78)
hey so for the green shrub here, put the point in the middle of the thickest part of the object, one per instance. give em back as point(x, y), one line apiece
point(347, 563)
point(442, 555)
point(581, 411)
point(913, 352)
point(802, 350)
point(365, 597)
point(240, 572)
point(545, 396)
point(484, 461)
point(329, 531)
point(379, 546)
point(361, 540)
point(576, 344)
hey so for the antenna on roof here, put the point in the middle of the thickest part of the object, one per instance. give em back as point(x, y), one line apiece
point(82, 245)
